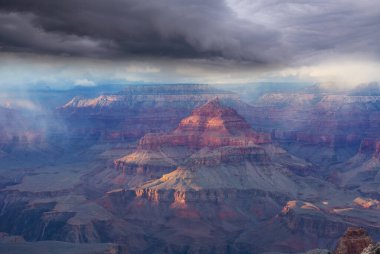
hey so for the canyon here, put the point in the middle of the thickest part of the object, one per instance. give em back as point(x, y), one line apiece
point(190, 169)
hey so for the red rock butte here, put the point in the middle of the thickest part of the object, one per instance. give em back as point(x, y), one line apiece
point(211, 125)
point(354, 241)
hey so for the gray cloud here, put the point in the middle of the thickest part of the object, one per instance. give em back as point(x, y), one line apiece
point(17, 33)
point(257, 32)
point(319, 27)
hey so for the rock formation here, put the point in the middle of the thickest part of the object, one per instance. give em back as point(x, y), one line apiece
point(354, 241)
point(372, 249)
point(211, 125)
point(215, 137)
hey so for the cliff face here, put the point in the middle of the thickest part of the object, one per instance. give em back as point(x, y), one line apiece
point(311, 221)
point(354, 241)
point(206, 220)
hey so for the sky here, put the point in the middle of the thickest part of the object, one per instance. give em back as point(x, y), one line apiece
point(87, 42)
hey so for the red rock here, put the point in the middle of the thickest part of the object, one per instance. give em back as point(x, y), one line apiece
point(211, 125)
point(354, 241)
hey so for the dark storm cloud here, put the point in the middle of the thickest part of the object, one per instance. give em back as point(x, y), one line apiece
point(17, 33)
point(258, 32)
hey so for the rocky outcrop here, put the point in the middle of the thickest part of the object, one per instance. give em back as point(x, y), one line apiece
point(175, 197)
point(354, 241)
point(372, 249)
point(367, 203)
point(212, 135)
point(311, 220)
point(211, 125)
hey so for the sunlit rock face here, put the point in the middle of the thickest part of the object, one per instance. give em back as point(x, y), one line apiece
point(367, 203)
point(372, 249)
point(354, 241)
point(212, 136)
point(210, 125)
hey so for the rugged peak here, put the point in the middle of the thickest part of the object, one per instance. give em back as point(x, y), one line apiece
point(214, 108)
point(211, 125)
point(354, 241)
point(97, 102)
point(214, 119)
point(213, 105)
